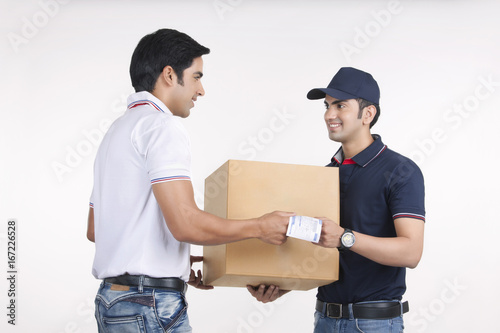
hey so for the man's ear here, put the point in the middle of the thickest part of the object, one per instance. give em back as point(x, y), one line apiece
point(369, 113)
point(168, 75)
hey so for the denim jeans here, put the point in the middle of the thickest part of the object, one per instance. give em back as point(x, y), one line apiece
point(138, 309)
point(324, 324)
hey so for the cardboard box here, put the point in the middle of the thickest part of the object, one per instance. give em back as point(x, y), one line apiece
point(249, 189)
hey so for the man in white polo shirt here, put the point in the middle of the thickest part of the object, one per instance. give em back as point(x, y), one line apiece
point(142, 214)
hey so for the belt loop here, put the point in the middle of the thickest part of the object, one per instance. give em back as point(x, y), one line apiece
point(401, 307)
point(141, 283)
point(351, 312)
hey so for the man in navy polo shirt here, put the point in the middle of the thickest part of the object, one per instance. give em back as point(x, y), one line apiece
point(382, 215)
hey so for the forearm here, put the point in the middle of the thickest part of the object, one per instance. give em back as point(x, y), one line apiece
point(393, 251)
point(189, 224)
point(201, 228)
point(404, 250)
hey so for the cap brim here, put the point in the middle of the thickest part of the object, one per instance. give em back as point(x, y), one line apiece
point(319, 93)
point(315, 94)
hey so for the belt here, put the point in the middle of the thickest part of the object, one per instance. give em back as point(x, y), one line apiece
point(149, 282)
point(376, 310)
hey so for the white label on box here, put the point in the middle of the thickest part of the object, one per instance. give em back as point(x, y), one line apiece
point(304, 227)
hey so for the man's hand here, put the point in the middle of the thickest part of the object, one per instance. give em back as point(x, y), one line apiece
point(273, 227)
point(196, 280)
point(330, 233)
point(266, 294)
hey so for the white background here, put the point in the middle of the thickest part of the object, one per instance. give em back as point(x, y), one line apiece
point(64, 77)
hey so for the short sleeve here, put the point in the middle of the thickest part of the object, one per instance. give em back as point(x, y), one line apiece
point(407, 191)
point(164, 146)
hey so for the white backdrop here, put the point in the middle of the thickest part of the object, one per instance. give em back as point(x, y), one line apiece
point(64, 78)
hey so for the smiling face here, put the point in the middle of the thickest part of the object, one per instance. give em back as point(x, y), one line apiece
point(186, 91)
point(343, 119)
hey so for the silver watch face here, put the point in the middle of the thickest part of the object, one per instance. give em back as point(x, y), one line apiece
point(348, 239)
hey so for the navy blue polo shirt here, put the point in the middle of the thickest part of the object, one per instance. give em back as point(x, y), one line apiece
point(377, 186)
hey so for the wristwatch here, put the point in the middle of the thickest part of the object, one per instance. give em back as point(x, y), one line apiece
point(346, 240)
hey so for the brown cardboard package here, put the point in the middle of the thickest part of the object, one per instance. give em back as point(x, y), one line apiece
point(248, 189)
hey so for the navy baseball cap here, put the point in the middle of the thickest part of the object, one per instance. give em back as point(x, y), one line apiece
point(349, 83)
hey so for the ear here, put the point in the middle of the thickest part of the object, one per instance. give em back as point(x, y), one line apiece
point(168, 76)
point(369, 113)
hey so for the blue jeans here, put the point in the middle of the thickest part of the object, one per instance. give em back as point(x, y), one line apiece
point(138, 309)
point(324, 324)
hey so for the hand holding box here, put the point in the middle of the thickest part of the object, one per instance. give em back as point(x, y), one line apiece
point(248, 189)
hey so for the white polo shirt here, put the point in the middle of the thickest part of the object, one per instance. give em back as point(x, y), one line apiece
point(146, 145)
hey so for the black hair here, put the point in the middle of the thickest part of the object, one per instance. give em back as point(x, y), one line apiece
point(363, 103)
point(165, 47)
